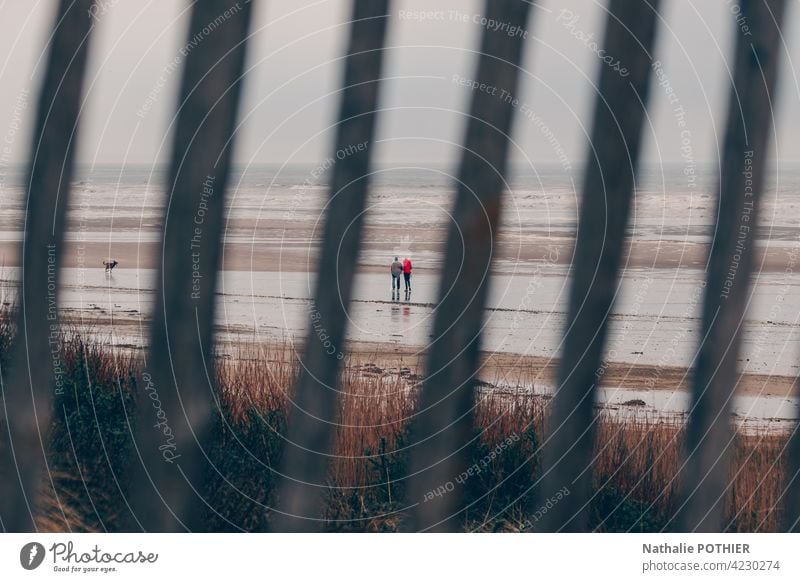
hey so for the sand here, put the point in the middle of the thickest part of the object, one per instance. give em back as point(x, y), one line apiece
point(288, 250)
point(497, 368)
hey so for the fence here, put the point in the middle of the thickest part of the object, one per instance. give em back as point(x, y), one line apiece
point(180, 362)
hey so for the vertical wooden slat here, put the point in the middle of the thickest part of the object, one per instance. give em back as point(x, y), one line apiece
point(744, 158)
point(608, 188)
point(177, 395)
point(791, 493)
point(28, 394)
point(442, 429)
point(315, 401)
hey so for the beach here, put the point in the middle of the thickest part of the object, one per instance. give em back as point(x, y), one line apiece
point(272, 233)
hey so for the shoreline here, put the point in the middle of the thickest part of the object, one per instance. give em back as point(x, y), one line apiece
point(284, 253)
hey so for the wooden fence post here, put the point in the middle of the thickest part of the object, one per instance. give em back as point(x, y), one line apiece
point(314, 413)
point(177, 395)
point(704, 476)
point(32, 379)
point(443, 428)
point(608, 187)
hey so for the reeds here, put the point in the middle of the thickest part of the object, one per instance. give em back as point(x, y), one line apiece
point(635, 461)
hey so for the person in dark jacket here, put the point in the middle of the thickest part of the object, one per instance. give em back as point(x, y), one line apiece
point(396, 270)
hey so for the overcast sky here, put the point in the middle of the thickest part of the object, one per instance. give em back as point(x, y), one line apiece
point(294, 71)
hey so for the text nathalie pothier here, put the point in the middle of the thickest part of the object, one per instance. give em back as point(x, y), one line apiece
point(684, 548)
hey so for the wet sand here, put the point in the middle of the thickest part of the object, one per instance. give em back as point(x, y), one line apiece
point(283, 253)
point(497, 368)
point(513, 369)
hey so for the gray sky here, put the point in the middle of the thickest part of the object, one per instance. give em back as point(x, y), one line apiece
point(289, 101)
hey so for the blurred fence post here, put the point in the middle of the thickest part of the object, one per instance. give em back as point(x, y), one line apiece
point(443, 428)
point(177, 397)
point(315, 406)
point(705, 477)
point(32, 379)
point(608, 187)
point(791, 494)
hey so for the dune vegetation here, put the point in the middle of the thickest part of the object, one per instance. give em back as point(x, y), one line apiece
point(635, 461)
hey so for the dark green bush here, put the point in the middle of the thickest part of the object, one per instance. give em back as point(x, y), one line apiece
point(241, 476)
point(613, 511)
point(90, 441)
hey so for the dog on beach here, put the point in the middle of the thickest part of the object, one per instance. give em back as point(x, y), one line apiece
point(110, 264)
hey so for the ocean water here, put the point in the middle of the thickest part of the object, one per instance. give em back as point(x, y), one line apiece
point(126, 202)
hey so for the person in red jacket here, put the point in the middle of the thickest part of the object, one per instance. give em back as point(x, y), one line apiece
point(407, 272)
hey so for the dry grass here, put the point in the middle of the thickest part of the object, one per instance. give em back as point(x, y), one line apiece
point(636, 459)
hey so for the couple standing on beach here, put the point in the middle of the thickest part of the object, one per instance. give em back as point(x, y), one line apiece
point(398, 269)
